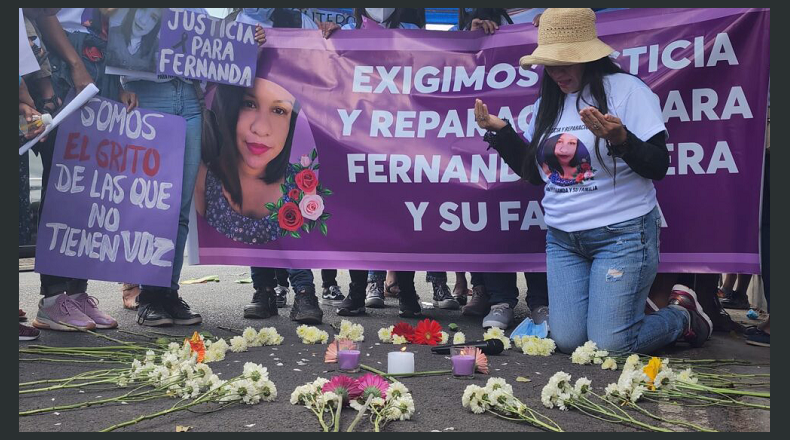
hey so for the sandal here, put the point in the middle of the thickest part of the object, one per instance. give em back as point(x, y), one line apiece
point(392, 290)
point(130, 292)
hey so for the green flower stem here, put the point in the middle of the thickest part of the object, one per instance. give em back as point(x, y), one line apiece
point(337, 414)
point(661, 419)
point(724, 391)
point(82, 376)
point(620, 414)
point(360, 413)
point(77, 361)
point(123, 397)
point(67, 385)
point(232, 330)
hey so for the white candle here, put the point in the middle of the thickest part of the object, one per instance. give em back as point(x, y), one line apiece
point(400, 362)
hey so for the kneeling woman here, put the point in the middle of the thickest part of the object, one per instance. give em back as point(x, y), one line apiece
point(601, 210)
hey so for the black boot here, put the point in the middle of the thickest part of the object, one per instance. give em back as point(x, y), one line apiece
point(263, 305)
point(305, 308)
point(354, 303)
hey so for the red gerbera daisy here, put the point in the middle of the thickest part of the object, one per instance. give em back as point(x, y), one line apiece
point(428, 332)
point(403, 329)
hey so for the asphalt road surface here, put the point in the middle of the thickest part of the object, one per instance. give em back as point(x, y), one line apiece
point(437, 399)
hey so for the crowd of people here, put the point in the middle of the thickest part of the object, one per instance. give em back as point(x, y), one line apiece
point(601, 281)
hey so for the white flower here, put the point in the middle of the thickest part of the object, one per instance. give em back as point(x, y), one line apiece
point(469, 392)
point(497, 383)
point(499, 398)
point(582, 386)
point(445, 337)
point(459, 338)
point(349, 330)
point(534, 346)
point(269, 336)
point(497, 333)
point(609, 364)
point(267, 390)
point(664, 379)
point(173, 347)
point(251, 337)
point(404, 406)
point(191, 389)
point(312, 335)
point(150, 356)
point(238, 344)
point(687, 376)
point(611, 390)
point(632, 362)
point(398, 339)
point(319, 382)
point(385, 334)
point(396, 390)
point(255, 372)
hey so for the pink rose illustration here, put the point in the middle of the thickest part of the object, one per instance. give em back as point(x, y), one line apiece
point(312, 206)
point(305, 161)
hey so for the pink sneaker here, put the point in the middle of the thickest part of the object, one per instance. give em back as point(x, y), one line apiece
point(63, 310)
point(89, 306)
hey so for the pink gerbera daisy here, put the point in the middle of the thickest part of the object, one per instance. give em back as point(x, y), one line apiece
point(344, 386)
point(372, 384)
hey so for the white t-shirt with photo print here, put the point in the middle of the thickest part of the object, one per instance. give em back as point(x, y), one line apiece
point(580, 194)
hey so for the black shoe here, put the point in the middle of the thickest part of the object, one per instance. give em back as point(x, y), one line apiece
point(332, 296)
point(735, 301)
point(409, 304)
point(153, 314)
point(281, 293)
point(305, 308)
point(180, 311)
point(263, 305)
point(442, 298)
point(375, 295)
point(352, 306)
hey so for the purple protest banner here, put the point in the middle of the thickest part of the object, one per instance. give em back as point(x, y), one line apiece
point(411, 183)
point(197, 46)
point(113, 196)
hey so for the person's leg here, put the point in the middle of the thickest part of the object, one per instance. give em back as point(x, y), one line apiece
point(305, 308)
point(461, 288)
point(442, 297)
point(281, 290)
point(282, 277)
point(480, 304)
point(178, 98)
point(623, 270)
point(537, 296)
point(408, 301)
point(375, 294)
point(328, 278)
point(354, 303)
point(568, 272)
point(264, 302)
point(391, 288)
point(503, 291)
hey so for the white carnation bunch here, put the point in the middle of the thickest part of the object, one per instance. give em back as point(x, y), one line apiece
point(312, 335)
point(349, 330)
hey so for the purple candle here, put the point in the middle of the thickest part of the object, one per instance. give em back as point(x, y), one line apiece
point(348, 360)
point(463, 365)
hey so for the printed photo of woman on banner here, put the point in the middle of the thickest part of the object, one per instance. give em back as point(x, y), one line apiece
point(133, 39)
point(258, 180)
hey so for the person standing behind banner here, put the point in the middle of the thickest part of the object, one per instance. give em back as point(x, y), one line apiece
point(181, 97)
point(357, 299)
point(270, 293)
point(602, 245)
point(65, 300)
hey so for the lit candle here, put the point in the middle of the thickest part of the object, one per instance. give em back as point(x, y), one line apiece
point(400, 362)
point(348, 360)
point(463, 365)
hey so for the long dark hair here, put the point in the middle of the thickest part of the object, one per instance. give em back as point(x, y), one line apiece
point(552, 101)
point(550, 156)
point(497, 15)
point(149, 39)
point(400, 15)
point(218, 141)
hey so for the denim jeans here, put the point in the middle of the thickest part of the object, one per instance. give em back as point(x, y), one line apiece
point(537, 289)
point(599, 280)
point(177, 98)
point(263, 277)
point(765, 233)
point(376, 275)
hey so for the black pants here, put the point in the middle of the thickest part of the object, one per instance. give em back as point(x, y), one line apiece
point(359, 279)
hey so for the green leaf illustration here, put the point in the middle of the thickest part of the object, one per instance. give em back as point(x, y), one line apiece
point(315, 166)
point(295, 234)
point(326, 192)
point(274, 217)
point(323, 228)
point(313, 154)
point(271, 206)
point(279, 203)
point(283, 188)
point(325, 216)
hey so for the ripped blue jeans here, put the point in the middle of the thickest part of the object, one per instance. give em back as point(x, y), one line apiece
point(599, 280)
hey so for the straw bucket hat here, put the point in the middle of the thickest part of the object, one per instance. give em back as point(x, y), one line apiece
point(567, 36)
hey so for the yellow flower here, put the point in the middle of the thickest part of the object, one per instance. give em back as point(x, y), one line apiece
point(652, 369)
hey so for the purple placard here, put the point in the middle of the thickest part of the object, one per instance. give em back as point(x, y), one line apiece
point(113, 195)
point(709, 69)
point(197, 46)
